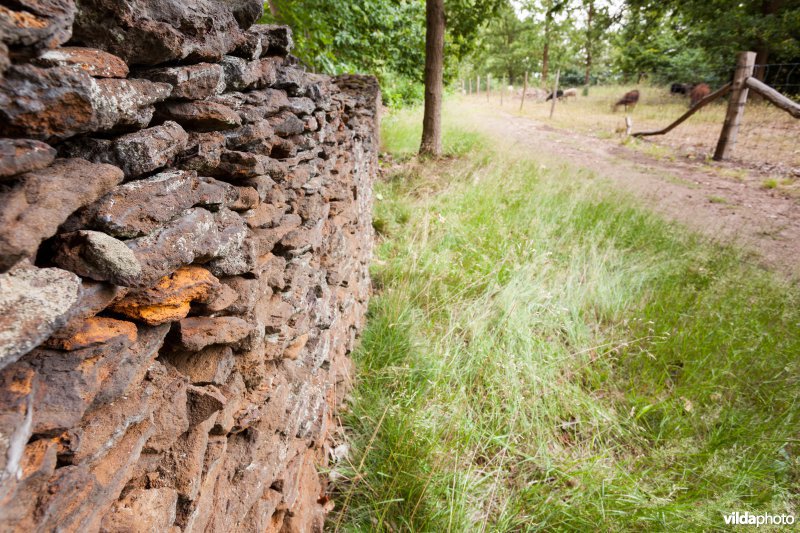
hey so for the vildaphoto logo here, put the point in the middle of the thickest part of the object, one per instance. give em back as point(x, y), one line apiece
point(749, 519)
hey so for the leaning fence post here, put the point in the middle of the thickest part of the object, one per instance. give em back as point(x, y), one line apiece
point(745, 62)
point(555, 94)
point(524, 90)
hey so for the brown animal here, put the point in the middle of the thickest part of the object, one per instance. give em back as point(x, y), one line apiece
point(630, 99)
point(699, 92)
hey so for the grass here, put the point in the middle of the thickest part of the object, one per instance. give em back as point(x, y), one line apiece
point(542, 354)
point(718, 199)
point(767, 134)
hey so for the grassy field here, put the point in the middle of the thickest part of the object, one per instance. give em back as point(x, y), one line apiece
point(542, 354)
point(768, 135)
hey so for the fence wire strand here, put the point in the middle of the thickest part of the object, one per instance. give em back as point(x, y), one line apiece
point(769, 138)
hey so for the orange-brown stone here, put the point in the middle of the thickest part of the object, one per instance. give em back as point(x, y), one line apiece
point(170, 299)
point(295, 347)
point(92, 331)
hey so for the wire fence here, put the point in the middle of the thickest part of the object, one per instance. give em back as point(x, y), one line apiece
point(768, 138)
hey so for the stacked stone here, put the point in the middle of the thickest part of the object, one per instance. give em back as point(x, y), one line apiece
point(185, 233)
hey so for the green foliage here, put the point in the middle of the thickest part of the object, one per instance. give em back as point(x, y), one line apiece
point(366, 35)
point(381, 37)
point(663, 41)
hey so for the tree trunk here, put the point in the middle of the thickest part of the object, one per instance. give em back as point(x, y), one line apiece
point(590, 15)
point(272, 8)
point(545, 61)
point(762, 56)
point(434, 72)
point(768, 7)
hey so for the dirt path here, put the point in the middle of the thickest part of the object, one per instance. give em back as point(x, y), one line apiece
point(729, 209)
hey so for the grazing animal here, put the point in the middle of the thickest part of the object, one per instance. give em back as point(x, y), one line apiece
point(681, 88)
point(630, 99)
point(559, 95)
point(699, 92)
point(532, 93)
point(571, 93)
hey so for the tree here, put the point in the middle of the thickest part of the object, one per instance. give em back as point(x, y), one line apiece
point(711, 32)
point(380, 37)
point(552, 8)
point(768, 27)
point(598, 20)
point(434, 79)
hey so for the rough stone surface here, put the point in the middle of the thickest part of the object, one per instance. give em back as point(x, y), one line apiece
point(193, 388)
point(198, 236)
point(139, 207)
point(91, 332)
point(23, 155)
point(96, 256)
point(34, 302)
point(151, 510)
point(37, 202)
point(151, 32)
point(32, 25)
point(170, 299)
point(135, 153)
point(95, 63)
point(201, 115)
point(200, 332)
point(60, 102)
point(241, 74)
point(191, 82)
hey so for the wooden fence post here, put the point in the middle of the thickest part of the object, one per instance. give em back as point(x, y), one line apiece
point(477, 85)
point(524, 90)
point(745, 62)
point(488, 87)
point(555, 94)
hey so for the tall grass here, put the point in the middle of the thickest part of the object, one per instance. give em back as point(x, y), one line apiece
point(543, 354)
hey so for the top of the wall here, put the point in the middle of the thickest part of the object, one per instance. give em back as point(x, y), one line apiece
point(142, 32)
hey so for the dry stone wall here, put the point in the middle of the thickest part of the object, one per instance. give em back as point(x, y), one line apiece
point(184, 243)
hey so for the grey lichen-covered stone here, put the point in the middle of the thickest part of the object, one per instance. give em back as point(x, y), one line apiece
point(140, 207)
point(135, 153)
point(190, 82)
point(151, 32)
point(57, 103)
point(197, 236)
point(241, 74)
point(95, 63)
point(267, 39)
point(97, 256)
point(235, 165)
point(34, 302)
